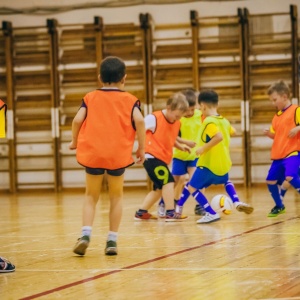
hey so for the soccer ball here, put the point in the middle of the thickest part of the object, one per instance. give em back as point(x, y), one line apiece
point(221, 203)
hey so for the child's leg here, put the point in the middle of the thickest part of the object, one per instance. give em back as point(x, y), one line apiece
point(92, 193)
point(115, 189)
point(179, 185)
point(201, 199)
point(168, 195)
point(230, 190)
point(275, 193)
point(150, 199)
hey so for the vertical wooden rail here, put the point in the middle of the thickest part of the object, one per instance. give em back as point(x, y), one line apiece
point(246, 95)
point(98, 23)
point(145, 24)
point(143, 18)
point(7, 31)
point(295, 64)
point(55, 98)
point(194, 24)
point(243, 72)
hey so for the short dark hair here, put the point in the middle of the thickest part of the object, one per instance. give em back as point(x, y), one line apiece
point(279, 87)
point(112, 69)
point(190, 95)
point(208, 96)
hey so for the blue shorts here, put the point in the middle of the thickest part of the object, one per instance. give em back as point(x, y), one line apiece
point(99, 171)
point(282, 168)
point(203, 178)
point(180, 167)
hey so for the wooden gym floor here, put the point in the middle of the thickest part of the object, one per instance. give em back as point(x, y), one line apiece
point(240, 257)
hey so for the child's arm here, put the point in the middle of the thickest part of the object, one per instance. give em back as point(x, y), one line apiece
point(141, 134)
point(216, 139)
point(182, 147)
point(76, 125)
point(269, 132)
point(189, 143)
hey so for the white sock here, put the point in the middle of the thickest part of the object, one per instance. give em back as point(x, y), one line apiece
point(86, 230)
point(112, 236)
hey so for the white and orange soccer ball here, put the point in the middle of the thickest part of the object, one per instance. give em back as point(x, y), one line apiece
point(222, 203)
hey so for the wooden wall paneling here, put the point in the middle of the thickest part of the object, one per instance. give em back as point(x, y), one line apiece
point(128, 41)
point(9, 88)
point(269, 59)
point(78, 67)
point(171, 61)
point(34, 147)
point(220, 67)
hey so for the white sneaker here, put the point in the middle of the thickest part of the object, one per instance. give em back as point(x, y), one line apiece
point(209, 218)
point(161, 210)
point(243, 207)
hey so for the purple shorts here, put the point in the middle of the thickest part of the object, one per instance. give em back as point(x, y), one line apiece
point(282, 168)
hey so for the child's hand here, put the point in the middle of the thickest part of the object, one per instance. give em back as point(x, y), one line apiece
point(72, 145)
point(140, 155)
point(191, 144)
point(186, 148)
point(268, 133)
point(199, 151)
point(294, 131)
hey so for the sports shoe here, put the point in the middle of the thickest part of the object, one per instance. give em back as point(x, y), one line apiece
point(175, 217)
point(209, 218)
point(111, 248)
point(275, 211)
point(81, 245)
point(6, 266)
point(243, 207)
point(141, 216)
point(199, 210)
point(161, 210)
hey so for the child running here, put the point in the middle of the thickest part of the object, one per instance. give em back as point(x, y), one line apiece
point(162, 128)
point(286, 145)
point(214, 161)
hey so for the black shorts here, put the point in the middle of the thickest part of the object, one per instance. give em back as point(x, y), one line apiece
point(99, 171)
point(158, 172)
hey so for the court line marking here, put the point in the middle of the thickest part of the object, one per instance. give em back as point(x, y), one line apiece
point(75, 283)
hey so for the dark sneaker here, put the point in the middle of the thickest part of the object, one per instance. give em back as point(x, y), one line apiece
point(275, 211)
point(144, 216)
point(199, 210)
point(111, 248)
point(81, 245)
point(175, 217)
point(6, 266)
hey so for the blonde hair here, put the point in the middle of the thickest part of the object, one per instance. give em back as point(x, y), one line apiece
point(178, 101)
point(279, 87)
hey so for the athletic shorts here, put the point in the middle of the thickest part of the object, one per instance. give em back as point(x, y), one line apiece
point(282, 168)
point(180, 167)
point(99, 171)
point(203, 178)
point(159, 172)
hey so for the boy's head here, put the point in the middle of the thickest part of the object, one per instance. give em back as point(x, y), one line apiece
point(279, 94)
point(280, 87)
point(191, 98)
point(208, 101)
point(112, 70)
point(177, 105)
